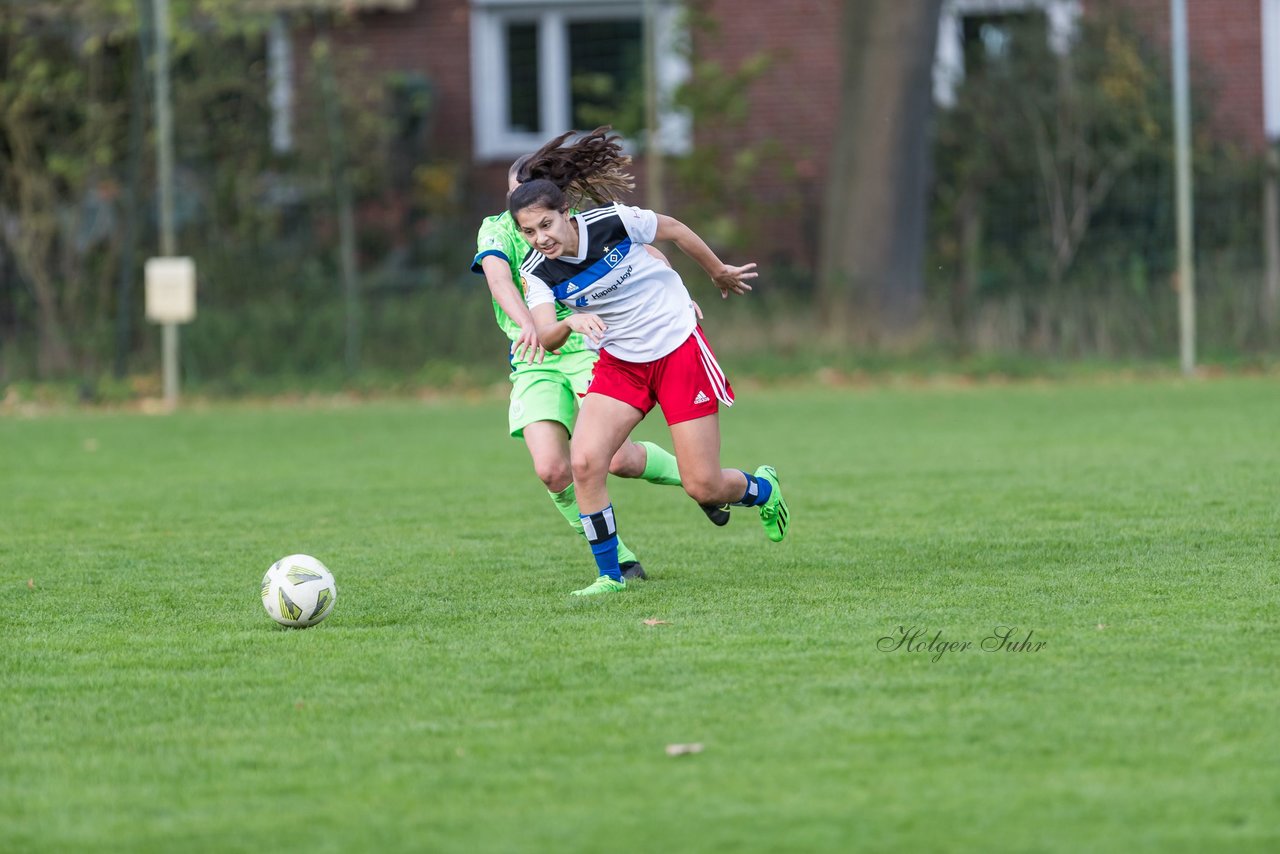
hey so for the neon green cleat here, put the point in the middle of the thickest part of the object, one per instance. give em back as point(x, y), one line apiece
point(603, 584)
point(773, 513)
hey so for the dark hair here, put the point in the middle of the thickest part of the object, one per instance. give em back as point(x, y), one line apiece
point(592, 167)
point(517, 165)
point(537, 193)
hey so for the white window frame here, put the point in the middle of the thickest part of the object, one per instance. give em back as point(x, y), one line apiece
point(280, 79)
point(1271, 69)
point(490, 92)
point(948, 63)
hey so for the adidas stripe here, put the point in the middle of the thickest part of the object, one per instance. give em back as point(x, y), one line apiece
point(709, 364)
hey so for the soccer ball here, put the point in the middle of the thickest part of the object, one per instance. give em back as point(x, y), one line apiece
point(298, 590)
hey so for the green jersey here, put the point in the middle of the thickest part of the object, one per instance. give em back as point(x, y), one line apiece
point(499, 236)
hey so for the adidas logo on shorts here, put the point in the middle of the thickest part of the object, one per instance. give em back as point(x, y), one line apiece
point(701, 398)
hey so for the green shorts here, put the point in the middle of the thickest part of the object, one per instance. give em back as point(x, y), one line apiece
point(551, 391)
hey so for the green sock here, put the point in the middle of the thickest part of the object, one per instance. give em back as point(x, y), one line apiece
point(660, 466)
point(567, 503)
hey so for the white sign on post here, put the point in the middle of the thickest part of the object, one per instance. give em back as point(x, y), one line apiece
point(171, 299)
point(171, 290)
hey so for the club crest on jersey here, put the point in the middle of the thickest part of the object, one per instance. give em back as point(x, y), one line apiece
point(591, 276)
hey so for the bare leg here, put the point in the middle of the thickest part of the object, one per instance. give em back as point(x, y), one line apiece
point(697, 448)
point(548, 443)
point(629, 460)
point(603, 426)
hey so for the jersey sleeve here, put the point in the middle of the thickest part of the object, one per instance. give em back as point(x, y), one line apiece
point(492, 239)
point(536, 291)
point(641, 224)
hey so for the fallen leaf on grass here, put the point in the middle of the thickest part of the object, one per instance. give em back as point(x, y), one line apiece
point(683, 749)
point(653, 622)
point(31, 584)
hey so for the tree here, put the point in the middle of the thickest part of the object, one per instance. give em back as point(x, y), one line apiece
point(873, 238)
point(1090, 119)
point(73, 169)
point(61, 120)
point(1042, 147)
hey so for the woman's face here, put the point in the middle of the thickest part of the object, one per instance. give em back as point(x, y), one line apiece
point(551, 232)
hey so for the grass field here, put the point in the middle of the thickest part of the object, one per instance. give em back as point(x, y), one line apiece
point(458, 700)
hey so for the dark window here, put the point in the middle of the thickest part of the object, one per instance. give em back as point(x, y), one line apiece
point(991, 42)
point(607, 73)
point(522, 77)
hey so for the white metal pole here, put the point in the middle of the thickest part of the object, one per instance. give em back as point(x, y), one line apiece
point(1182, 152)
point(164, 155)
point(653, 145)
point(1271, 190)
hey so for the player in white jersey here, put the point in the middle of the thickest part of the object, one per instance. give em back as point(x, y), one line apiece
point(642, 301)
point(546, 388)
point(651, 349)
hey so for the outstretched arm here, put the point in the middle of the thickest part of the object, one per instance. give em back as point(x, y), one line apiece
point(727, 278)
point(497, 272)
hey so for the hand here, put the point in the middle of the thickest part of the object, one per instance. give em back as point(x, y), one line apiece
point(734, 279)
point(589, 325)
point(697, 309)
point(528, 344)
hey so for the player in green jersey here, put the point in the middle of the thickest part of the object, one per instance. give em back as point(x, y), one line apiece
point(547, 386)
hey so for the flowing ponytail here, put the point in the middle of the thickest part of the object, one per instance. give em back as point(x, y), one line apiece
point(592, 168)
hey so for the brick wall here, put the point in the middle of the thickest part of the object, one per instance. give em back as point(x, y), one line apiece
point(794, 103)
point(1225, 43)
point(432, 38)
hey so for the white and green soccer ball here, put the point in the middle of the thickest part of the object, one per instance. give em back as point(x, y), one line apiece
point(298, 590)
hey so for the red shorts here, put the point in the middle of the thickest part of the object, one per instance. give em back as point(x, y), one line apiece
point(687, 382)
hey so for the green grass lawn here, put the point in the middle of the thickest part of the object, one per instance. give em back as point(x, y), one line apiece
point(458, 700)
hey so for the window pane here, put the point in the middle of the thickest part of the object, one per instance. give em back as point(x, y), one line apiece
point(992, 43)
point(522, 78)
point(607, 74)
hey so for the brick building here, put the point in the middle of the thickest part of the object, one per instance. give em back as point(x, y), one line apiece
point(500, 71)
point(482, 58)
point(1225, 39)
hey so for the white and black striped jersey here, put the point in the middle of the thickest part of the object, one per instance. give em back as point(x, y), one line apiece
point(643, 303)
